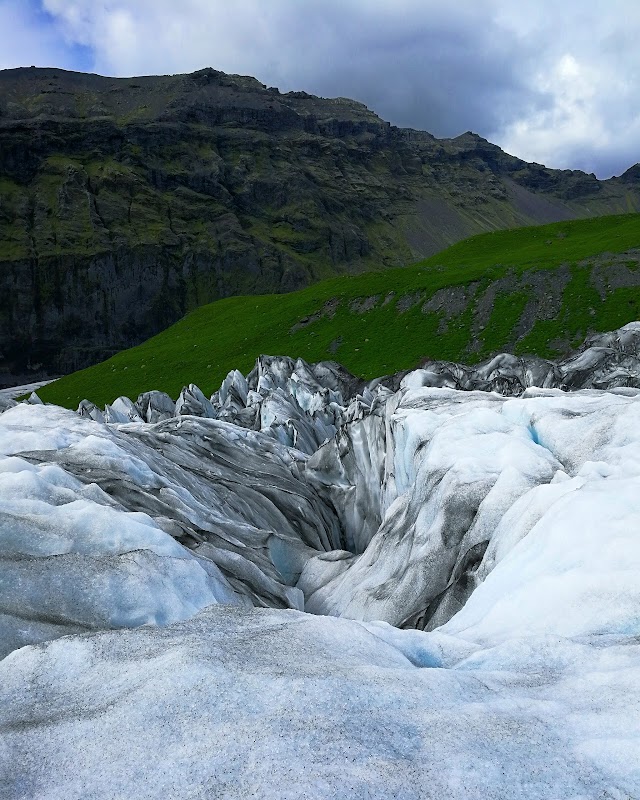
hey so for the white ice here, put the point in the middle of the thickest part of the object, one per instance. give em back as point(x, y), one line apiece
point(278, 704)
point(71, 558)
point(443, 472)
point(514, 522)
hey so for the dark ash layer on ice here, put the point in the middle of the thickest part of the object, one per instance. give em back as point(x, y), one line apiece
point(158, 573)
point(296, 487)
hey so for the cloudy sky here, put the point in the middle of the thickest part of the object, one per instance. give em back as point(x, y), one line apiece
point(553, 81)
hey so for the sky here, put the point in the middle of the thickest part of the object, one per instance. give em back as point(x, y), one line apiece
point(551, 81)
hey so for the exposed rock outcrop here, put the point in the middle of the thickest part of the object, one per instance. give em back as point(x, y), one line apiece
point(126, 202)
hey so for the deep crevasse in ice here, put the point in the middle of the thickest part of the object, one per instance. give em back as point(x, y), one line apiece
point(511, 523)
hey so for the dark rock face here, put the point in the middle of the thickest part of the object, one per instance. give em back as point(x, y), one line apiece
point(126, 202)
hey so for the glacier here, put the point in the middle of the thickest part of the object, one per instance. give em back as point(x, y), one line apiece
point(309, 585)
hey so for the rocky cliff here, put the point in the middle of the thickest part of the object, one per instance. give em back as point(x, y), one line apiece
point(126, 202)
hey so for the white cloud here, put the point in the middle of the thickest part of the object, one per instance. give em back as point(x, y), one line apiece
point(283, 37)
point(572, 123)
point(589, 69)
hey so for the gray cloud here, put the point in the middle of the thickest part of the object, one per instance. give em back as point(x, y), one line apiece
point(551, 82)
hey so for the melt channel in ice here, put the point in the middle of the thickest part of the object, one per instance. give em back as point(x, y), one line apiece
point(507, 528)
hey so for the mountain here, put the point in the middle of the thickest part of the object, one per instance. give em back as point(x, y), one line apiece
point(126, 202)
point(536, 291)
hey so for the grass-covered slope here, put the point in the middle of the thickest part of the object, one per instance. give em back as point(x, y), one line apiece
point(534, 290)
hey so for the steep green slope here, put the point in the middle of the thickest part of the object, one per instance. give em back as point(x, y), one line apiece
point(536, 290)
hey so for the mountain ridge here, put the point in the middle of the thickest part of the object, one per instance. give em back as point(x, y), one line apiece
point(125, 202)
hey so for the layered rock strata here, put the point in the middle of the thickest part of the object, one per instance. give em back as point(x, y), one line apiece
point(126, 202)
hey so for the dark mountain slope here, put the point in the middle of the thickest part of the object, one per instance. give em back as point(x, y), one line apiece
point(126, 202)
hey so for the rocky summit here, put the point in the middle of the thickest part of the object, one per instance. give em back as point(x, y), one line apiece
point(126, 202)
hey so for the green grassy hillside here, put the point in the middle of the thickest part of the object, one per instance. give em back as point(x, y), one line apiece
point(534, 290)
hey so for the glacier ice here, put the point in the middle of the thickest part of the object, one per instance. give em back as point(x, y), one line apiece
point(309, 585)
point(279, 704)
